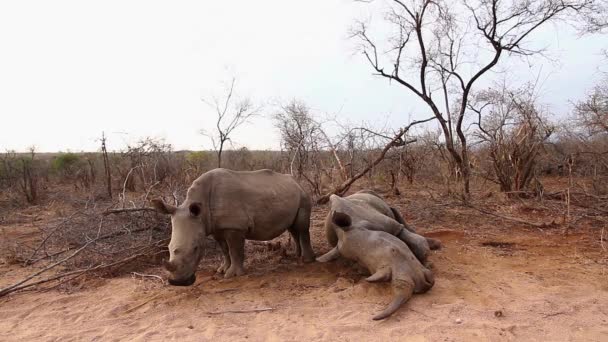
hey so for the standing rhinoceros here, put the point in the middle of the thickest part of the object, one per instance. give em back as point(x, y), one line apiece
point(366, 205)
point(233, 206)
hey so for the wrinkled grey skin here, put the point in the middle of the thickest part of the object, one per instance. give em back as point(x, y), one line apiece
point(233, 206)
point(366, 205)
point(383, 255)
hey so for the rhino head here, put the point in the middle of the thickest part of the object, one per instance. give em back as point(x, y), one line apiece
point(187, 235)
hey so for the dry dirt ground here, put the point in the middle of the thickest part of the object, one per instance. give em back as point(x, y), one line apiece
point(495, 281)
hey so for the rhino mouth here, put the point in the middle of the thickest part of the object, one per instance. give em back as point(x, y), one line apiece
point(183, 282)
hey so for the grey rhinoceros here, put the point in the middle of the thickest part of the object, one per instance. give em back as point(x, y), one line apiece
point(385, 256)
point(366, 205)
point(233, 206)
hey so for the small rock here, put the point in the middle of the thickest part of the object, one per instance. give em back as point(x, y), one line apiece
point(498, 313)
point(190, 326)
point(458, 321)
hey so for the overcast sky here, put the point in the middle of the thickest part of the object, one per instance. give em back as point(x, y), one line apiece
point(72, 69)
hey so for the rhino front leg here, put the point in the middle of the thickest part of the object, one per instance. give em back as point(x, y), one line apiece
point(236, 248)
point(225, 254)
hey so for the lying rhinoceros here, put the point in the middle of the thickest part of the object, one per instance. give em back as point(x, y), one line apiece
point(383, 255)
point(368, 206)
point(233, 206)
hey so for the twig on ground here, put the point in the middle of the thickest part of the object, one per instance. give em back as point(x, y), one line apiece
point(556, 314)
point(127, 210)
point(143, 303)
point(602, 240)
point(238, 311)
point(148, 276)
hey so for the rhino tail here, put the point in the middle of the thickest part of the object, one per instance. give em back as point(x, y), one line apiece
point(403, 292)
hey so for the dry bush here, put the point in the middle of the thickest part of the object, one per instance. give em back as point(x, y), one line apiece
point(513, 129)
point(23, 174)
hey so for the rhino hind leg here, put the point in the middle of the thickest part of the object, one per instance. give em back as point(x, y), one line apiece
point(434, 244)
point(383, 274)
point(417, 244)
point(236, 248)
point(302, 226)
point(295, 235)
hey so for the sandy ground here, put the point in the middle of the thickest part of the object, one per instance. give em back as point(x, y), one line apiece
point(493, 283)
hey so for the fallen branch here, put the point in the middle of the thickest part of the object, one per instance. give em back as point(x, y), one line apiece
point(238, 311)
point(28, 261)
point(533, 224)
point(126, 210)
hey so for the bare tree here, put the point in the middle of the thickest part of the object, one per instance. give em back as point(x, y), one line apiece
point(440, 49)
point(592, 112)
point(231, 112)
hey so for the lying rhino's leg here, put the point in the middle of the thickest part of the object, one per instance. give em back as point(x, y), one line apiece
point(383, 274)
point(296, 240)
point(416, 243)
point(302, 226)
point(225, 255)
point(236, 247)
point(433, 243)
point(333, 254)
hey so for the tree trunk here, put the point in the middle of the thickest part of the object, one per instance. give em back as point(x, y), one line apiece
point(219, 154)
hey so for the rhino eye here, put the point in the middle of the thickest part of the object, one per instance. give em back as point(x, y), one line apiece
point(176, 251)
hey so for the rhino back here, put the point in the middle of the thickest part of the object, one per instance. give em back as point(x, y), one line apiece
point(263, 203)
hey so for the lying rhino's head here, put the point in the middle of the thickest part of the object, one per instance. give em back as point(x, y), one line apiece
point(187, 235)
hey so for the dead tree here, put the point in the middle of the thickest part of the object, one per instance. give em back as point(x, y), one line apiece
point(106, 165)
point(231, 113)
point(434, 52)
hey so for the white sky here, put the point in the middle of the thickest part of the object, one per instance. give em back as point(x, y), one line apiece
point(72, 69)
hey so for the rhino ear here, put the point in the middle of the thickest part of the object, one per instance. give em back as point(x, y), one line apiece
point(341, 219)
point(195, 209)
point(163, 207)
